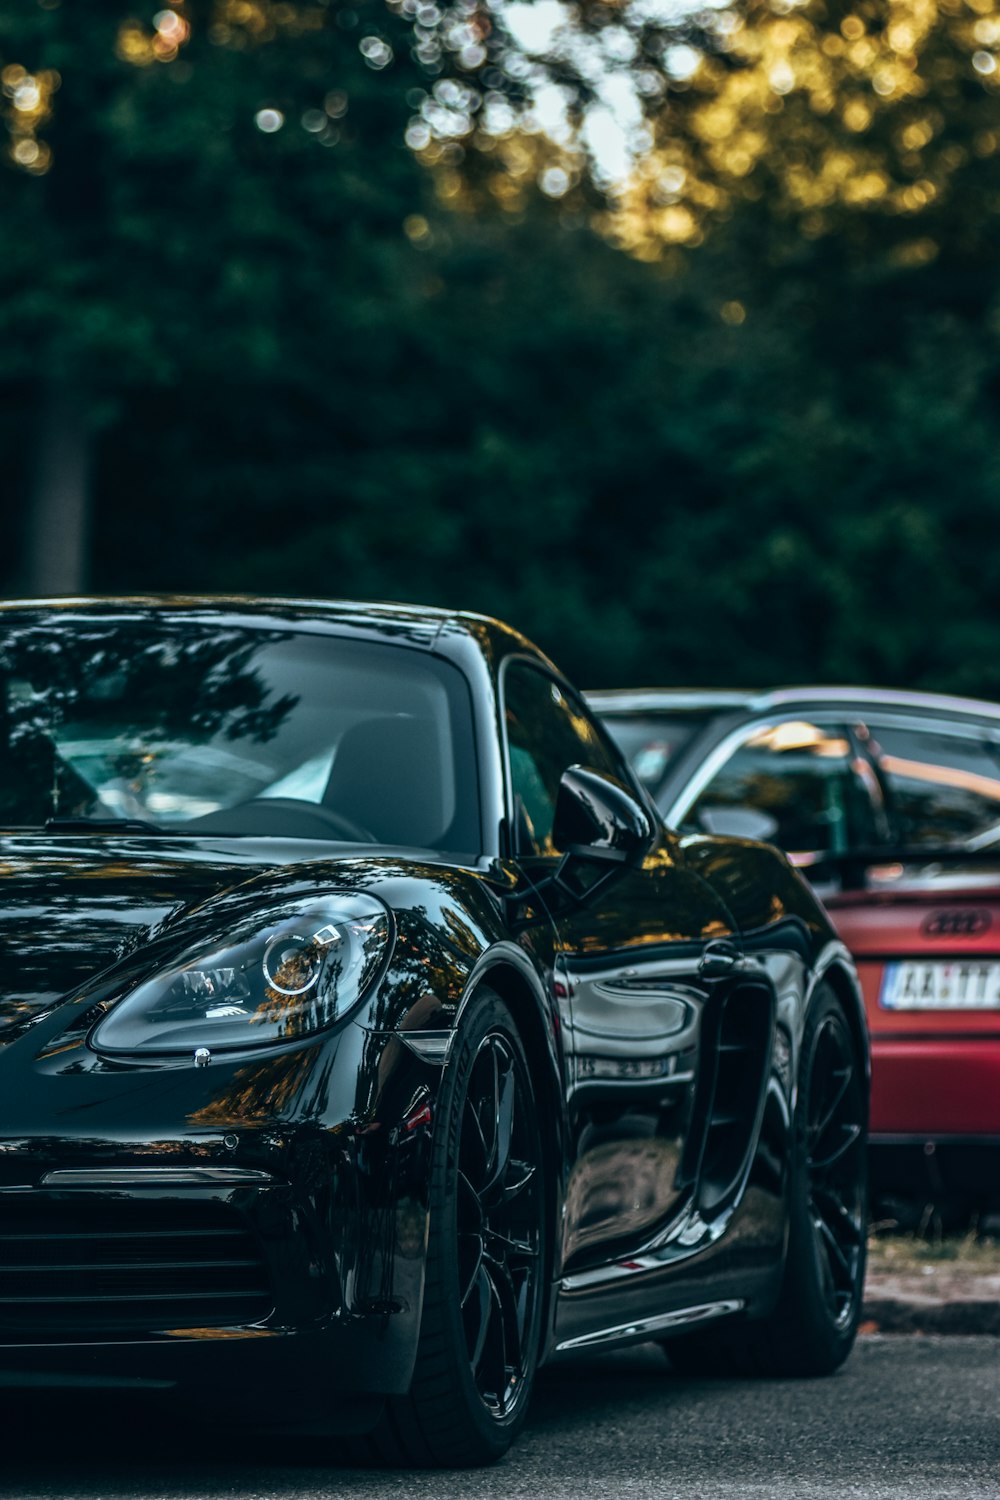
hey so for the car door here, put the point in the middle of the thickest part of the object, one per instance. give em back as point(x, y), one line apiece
point(629, 976)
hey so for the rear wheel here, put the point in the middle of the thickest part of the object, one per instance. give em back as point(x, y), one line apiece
point(813, 1326)
point(483, 1293)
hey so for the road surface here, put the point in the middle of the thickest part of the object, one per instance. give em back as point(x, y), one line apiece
point(908, 1417)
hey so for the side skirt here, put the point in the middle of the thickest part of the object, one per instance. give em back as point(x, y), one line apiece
point(648, 1328)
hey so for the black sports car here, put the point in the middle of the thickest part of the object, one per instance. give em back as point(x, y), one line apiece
point(366, 1040)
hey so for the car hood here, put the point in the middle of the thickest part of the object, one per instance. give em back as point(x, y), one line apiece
point(72, 906)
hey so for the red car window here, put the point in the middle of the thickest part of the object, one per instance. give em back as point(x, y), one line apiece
point(942, 787)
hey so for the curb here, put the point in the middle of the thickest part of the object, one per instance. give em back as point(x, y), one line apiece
point(962, 1316)
point(948, 1298)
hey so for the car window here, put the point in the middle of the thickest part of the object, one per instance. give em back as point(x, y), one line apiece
point(941, 787)
point(653, 742)
point(548, 730)
point(794, 783)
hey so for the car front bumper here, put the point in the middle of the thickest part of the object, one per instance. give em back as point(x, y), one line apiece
point(290, 1248)
point(166, 1276)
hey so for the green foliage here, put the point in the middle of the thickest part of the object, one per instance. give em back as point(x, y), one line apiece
point(774, 461)
point(592, 452)
point(169, 230)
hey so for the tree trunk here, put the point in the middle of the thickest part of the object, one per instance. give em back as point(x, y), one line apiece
point(57, 523)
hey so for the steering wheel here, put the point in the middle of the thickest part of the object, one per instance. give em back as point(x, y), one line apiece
point(279, 815)
point(355, 833)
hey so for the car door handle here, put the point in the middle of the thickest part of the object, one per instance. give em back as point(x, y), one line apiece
point(720, 959)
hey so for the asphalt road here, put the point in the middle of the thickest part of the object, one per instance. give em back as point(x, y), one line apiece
point(914, 1417)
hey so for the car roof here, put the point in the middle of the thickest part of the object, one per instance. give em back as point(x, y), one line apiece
point(417, 625)
point(659, 700)
point(666, 700)
point(336, 611)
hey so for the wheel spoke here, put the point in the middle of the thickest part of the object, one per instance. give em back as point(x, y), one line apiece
point(829, 1288)
point(833, 1246)
point(510, 1249)
point(519, 1174)
point(843, 1078)
point(474, 1152)
point(840, 1217)
point(482, 1306)
point(491, 1103)
point(494, 1350)
point(851, 1134)
point(474, 1255)
point(469, 1208)
point(500, 1156)
point(507, 1302)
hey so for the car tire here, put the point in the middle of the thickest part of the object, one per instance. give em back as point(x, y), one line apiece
point(813, 1326)
point(484, 1280)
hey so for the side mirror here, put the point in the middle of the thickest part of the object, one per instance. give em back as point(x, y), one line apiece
point(597, 818)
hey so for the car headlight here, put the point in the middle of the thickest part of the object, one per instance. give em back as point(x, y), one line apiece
point(277, 976)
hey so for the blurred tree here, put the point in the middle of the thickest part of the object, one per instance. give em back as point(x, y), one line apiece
point(825, 361)
point(303, 364)
point(878, 120)
point(707, 475)
point(210, 186)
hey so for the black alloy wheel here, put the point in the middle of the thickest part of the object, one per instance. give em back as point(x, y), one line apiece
point(485, 1271)
point(835, 1151)
point(499, 1224)
point(812, 1328)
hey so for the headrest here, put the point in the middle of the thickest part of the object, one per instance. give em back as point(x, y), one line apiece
point(387, 776)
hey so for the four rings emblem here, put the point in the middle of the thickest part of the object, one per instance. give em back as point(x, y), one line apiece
point(967, 924)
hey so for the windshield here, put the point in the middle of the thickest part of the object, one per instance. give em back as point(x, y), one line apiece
point(193, 726)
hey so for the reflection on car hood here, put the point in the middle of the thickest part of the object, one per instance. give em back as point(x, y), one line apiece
point(72, 905)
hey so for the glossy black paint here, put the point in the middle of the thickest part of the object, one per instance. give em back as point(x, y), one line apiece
point(598, 818)
point(320, 1148)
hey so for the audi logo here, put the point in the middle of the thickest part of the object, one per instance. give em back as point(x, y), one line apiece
point(964, 924)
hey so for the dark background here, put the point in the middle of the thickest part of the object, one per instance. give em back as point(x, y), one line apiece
point(759, 443)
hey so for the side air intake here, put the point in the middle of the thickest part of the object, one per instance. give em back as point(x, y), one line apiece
point(737, 1031)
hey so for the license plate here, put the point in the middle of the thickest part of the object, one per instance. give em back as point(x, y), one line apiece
point(940, 984)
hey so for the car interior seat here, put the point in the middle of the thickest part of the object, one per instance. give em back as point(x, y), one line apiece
point(387, 777)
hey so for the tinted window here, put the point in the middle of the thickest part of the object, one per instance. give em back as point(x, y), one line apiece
point(547, 731)
point(795, 784)
point(941, 786)
point(190, 725)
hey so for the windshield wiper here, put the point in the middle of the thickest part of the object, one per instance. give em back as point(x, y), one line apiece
point(99, 825)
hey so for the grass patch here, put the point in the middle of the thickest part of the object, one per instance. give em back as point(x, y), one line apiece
point(889, 1249)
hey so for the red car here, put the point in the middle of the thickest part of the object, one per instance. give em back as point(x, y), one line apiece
point(890, 803)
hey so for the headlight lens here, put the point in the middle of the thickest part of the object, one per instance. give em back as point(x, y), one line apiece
point(278, 976)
